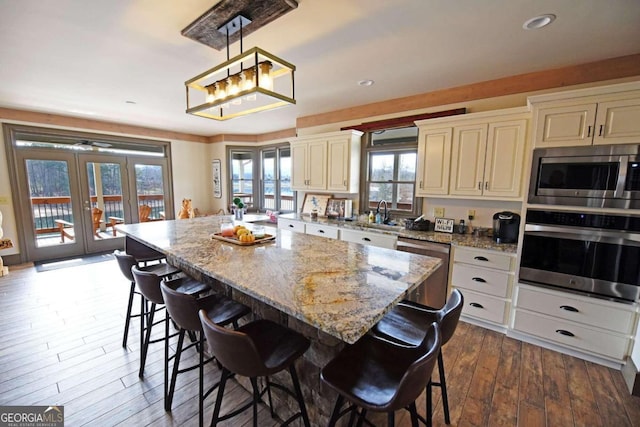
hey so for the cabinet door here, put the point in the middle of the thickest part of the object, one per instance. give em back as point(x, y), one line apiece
point(618, 122)
point(565, 126)
point(467, 160)
point(299, 166)
point(434, 160)
point(505, 156)
point(317, 165)
point(338, 165)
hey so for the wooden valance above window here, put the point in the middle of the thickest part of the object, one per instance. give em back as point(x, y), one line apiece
point(403, 121)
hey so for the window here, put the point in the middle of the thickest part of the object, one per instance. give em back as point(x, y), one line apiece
point(261, 177)
point(391, 156)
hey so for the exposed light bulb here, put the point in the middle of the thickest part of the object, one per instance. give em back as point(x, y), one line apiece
point(221, 89)
point(249, 83)
point(211, 93)
point(234, 87)
point(265, 81)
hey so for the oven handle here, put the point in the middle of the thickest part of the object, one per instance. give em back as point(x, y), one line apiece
point(584, 234)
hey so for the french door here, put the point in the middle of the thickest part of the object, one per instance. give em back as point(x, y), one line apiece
point(70, 202)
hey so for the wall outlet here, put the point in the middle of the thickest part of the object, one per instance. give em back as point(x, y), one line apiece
point(471, 214)
point(438, 212)
point(4, 200)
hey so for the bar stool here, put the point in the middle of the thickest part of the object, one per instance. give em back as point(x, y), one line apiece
point(257, 349)
point(148, 283)
point(380, 376)
point(125, 262)
point(407, 323)
point(183, 310)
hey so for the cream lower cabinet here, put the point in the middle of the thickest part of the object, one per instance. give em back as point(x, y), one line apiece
point(370, 239)
point(480, 154)
point(597, 327)
point(291, 225)
point(326, 162)
point(485, 278)
point(587, 116)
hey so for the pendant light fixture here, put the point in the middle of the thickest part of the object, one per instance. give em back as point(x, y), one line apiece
point(250, 82)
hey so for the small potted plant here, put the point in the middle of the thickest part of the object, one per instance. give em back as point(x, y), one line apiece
point(239, 209)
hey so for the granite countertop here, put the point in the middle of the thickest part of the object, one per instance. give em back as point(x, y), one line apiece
point(465, 240)
point(338, 287)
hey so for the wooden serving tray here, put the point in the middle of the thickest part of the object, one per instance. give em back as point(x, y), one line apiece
point(235, 241)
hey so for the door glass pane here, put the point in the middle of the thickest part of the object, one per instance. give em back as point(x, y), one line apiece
point(381, 167)
point(269, 179)
point(407, 167)
point(50, 197)
point(287, 202)
point(105, 195)
point(150, 192)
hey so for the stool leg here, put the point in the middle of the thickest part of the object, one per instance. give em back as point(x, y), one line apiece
point(443, 387)
point(296, 387)
point(256, 399)
point(216, 408)
point(391, 421)
point(128, 319)
point(363, 415)
point(273, 413)
point(429, 403)
point(201, 381)
point(174, 374)
point(336, 411)
point(145, 347)
point(414, 414)
point(143, 318)
point(166, 359)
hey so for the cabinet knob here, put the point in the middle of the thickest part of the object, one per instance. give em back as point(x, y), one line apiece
point(290, 225)
point(564, 332)
point(569, 308)
point(476, 305)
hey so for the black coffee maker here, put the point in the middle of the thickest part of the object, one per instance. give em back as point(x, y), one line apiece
point(505, 227)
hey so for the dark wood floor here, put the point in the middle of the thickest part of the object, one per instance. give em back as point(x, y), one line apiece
point(60, 343)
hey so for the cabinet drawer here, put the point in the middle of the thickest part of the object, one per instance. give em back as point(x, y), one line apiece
point(491, 282)
point(488, 259)
point(292, 225)
point(484, 307)
point(567, 333)
point(568, 307)
point(322, 231)
point(372, 239)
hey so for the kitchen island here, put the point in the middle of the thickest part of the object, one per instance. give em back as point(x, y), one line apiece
point(330, 290)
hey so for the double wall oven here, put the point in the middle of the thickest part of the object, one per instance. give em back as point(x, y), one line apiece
point(585, 251)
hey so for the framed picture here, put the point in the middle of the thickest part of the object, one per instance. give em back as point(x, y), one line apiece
point(336, 208)
point(315, 201)
point(444, 225)
point(217, 176)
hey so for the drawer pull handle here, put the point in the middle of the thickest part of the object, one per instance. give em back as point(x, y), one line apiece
point(565, 333)
point(291, 225)
point(480, 258)
point(478, 279)
point(320, 231)
point(569, 308)
point(475, 304)
point(366, 239)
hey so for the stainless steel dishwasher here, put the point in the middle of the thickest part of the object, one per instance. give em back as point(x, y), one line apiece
point(433, 292)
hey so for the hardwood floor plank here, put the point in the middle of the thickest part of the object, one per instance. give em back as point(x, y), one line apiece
point(583, 403)
point(530, 415)
point(504, 405)
point(606, 395)
point(631, 403)
point(557, 400)
point(531, 378)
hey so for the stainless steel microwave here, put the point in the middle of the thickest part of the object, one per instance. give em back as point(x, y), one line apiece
point(601, 176)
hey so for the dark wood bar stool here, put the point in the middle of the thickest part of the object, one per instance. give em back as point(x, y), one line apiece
point(379, 376)
point(126, 262)
point(183, 310)
point(148, 283)
point(407, 323)
point(257, 349)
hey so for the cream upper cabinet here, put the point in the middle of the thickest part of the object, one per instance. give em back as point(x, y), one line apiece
point(477, 155)
point(434, 160)
point(326, 162)
point(604, 115)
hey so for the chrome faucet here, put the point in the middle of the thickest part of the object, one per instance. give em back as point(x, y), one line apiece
point(386, 215)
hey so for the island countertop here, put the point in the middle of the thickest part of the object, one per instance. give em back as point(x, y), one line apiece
point(341, 288)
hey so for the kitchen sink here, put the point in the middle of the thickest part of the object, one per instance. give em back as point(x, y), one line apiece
point(392, 226)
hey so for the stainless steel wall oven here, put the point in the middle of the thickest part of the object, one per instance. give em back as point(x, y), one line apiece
point(592, 253)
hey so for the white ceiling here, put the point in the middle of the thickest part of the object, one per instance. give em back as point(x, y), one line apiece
point(86, 58)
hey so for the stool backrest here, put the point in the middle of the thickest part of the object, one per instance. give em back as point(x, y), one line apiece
point(418, 374)
point(235, 350)
point(148, 284)
point(449, 315)
point(182, 308)
point(125, 262)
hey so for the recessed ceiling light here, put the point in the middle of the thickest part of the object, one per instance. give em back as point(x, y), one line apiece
point(539, 22)
point(367, 82)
